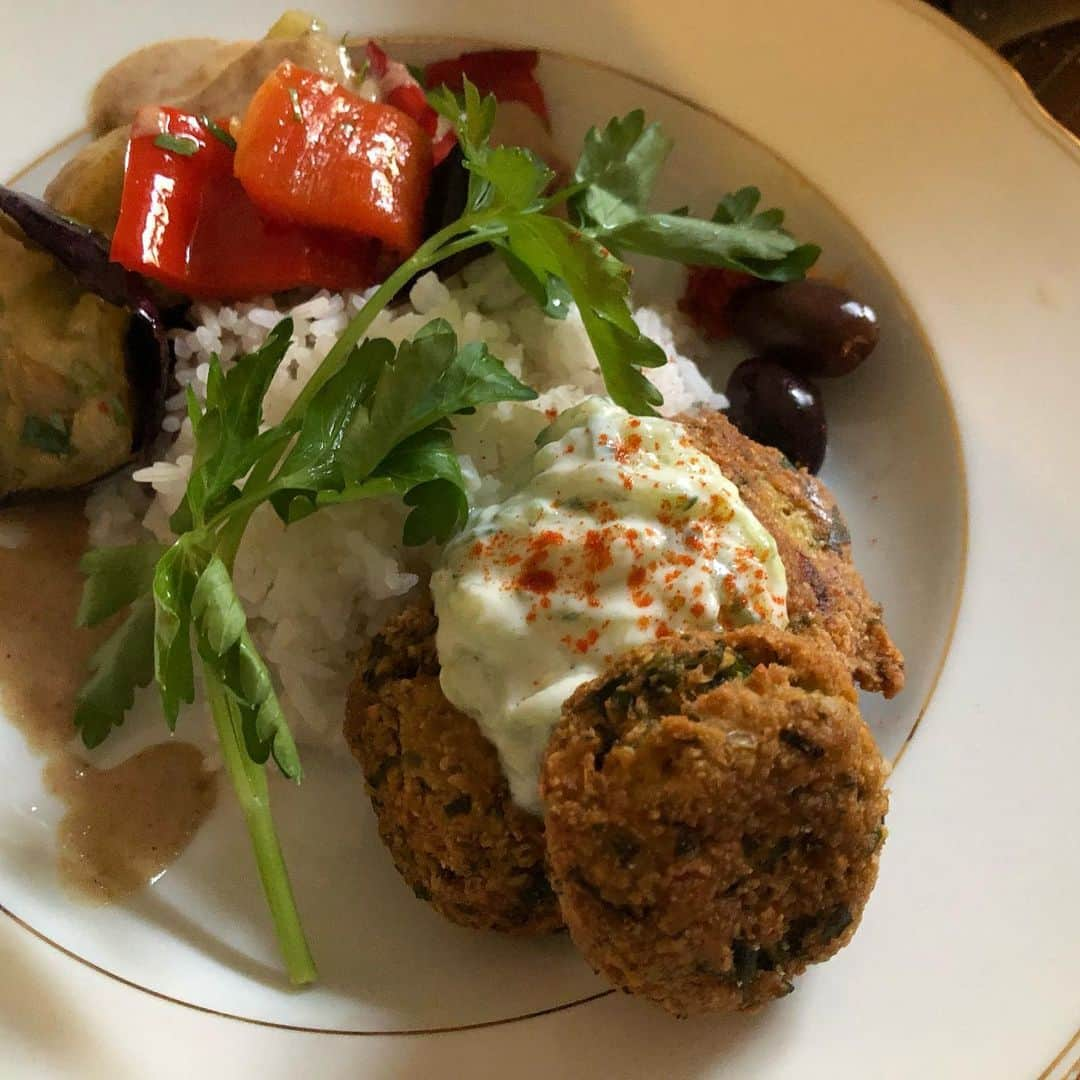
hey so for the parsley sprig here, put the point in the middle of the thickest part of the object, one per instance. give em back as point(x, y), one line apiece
point(375, 421)
point(617, 172)
point(379, 426)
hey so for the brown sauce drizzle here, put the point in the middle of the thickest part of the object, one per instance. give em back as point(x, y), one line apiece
point(123, 826)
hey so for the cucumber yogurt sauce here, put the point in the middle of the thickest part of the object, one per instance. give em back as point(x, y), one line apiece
point(618, 532)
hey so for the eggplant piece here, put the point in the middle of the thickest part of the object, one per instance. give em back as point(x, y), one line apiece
point(84, 362)
point(446, 201)
point(165, 73)
point(89, 187)
point(198, 75)
point(445, 204)
point(230, 92)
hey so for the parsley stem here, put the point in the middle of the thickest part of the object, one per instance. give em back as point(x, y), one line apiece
point(465, 233)
point(249, 780)
point(564, 195)
point(248, 777)
point(456, 237)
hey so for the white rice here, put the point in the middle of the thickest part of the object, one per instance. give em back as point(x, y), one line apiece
point(315, 591)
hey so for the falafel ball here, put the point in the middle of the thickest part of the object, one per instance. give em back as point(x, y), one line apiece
point(826, 593)
point(714, 816)
point(442, 802)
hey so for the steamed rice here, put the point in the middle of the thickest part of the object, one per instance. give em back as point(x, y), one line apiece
point(316, 590)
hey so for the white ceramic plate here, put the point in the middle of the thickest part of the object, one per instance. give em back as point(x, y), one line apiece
point(891, 133)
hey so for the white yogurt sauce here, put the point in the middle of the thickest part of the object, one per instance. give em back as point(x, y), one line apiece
point(618, 532)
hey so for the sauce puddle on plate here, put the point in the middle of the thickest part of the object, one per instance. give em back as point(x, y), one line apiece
point(122, 826)
point(126, 824)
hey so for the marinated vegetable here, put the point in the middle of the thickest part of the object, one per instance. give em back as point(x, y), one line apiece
point(66, 408)
point(394, 83)
point(84, 255)
point(708, 295)
point(200, 76)
point(90, 186)
point(165, 73)
point(186, 221)
point(314, 153)
point(297, 41)
point(507, 74)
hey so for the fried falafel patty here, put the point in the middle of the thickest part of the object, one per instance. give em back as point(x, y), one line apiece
point(826, 594)
point(442, 802)
point(714, 816)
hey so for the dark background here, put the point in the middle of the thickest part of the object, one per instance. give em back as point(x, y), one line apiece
point(1040, 38)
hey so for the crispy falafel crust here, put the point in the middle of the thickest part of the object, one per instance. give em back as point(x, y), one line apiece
point(442, 802)
point(825, 591)
point(714, 815)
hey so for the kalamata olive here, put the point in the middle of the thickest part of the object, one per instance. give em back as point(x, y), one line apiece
point(447, 193)
point(446, 199)
point(815, 327)
point(774, 406)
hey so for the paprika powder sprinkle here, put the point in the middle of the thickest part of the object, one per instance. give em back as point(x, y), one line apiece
point(618, 534)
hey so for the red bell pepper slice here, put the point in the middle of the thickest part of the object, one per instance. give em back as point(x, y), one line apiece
point(399, 88)
point(509, 74)
point(186, 222)
point(312, 152)
point(707, 297)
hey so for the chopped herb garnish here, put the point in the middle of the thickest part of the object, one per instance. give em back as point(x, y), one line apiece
point(217, 131)
point(49, 434)
point(119, 412)
point(294, 97)
point(183, 145)
point(798, 741)
point(417, 72)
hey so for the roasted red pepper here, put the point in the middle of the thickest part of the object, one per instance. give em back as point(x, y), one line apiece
point(312, 152)
point(187, 222)
point(509, 74)
point(400, 89)
point(708, 294)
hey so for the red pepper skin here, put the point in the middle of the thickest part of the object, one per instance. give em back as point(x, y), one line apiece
point(378, 60)
point(408, 95)
point(186, 222)
point(509, 74)
point(312, 152)
point(707, 296)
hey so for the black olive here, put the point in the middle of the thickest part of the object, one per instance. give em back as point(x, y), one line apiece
point(446, 203)
point(774, 406)
point(446, 200)
point(447, 194)
point(815, 328)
